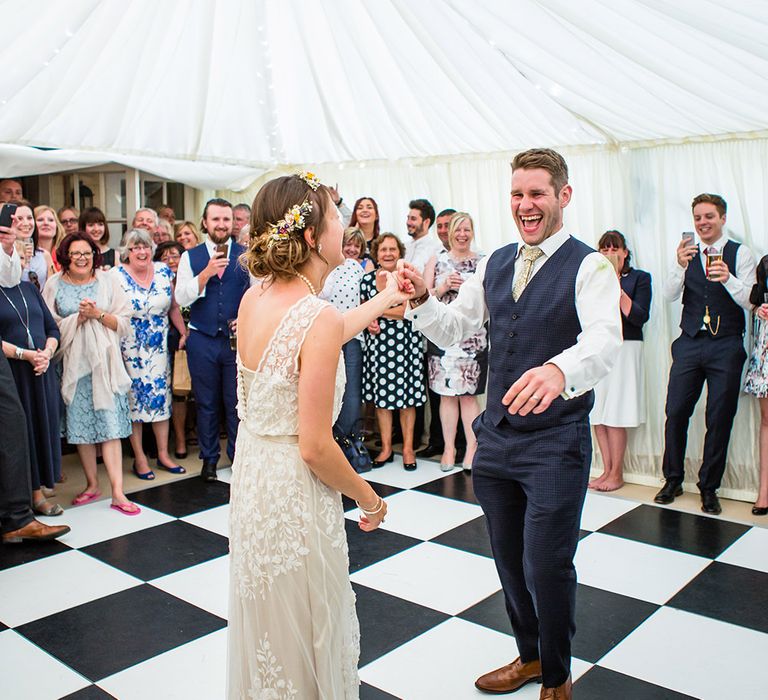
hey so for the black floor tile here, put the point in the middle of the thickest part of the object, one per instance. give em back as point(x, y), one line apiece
point(25, 552)
point(112, 633)
point(469, 537)
point(603, 684)
point(184, 497)
point(386, 622)
point(684, 532)
point(728, 593)
point(583, 534)
point(366, 548)
point(368, 692)
point(91, 692)
point(383, 490)
point(160, 550)
point(457, 486)
point(491, 613)
point(603, 619)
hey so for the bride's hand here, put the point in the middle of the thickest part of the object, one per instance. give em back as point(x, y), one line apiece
point(399, 287)
point(368, 523)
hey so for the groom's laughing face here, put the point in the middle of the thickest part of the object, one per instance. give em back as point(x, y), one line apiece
point(536, 208)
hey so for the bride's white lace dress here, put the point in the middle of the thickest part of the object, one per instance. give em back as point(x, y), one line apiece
point(293, 630)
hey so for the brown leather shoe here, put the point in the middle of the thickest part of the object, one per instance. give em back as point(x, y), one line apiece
point(510, 678)
point(562, 692)
point(35, 531)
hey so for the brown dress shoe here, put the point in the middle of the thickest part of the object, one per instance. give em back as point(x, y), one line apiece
point(510, 678)
point(562, 692)
point(35, 531)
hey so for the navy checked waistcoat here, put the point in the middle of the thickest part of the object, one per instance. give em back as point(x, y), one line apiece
point(699, 293)
point(209, 314)
point(530, 331)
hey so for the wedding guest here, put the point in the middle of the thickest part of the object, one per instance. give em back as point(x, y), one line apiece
point(49, 230)
point(442, 224)
point(30, 338)
point(165, 212)
point(620, 396)
point(365, 216)
point(94, 224)
point(149, 286)
point(186, 233)
point(163, 232)
point(393, 376)
point(145, 218)
point(756, 382)
point(38, 262)
point(241, 215)
point(10, 191)
point(70, 219)
point(420, 247)
point(354, 247)
point(715, 283)
point(92, 313)
point(457, 373)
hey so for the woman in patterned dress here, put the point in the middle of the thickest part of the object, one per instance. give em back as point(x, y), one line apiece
point(149, 286)
point(756, 382)
point(458, 373)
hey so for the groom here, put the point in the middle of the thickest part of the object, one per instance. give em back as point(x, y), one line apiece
point(553, 306)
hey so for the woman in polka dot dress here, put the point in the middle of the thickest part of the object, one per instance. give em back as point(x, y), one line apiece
point(393, 376)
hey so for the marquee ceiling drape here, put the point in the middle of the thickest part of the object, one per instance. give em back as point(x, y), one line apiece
point(216, 92)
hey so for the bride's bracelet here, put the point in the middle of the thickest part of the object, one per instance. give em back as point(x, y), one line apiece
point(376, 510)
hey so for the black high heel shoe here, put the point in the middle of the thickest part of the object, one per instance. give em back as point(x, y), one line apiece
point(381, 462)
point(759, 510)
point(409, 466)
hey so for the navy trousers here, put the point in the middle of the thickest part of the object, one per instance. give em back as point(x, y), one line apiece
point(213, 370)
point(718, 362)
point(531, 487)
point(348, 421)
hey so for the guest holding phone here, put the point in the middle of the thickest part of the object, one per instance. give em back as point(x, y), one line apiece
point(38, 262)
point(756, 382)
point(620, 396)
point(212, 282)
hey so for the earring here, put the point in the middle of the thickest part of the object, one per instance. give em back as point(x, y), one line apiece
point(319, 248)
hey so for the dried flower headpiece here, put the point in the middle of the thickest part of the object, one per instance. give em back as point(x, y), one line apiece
point(310, 178)
point(294, 220)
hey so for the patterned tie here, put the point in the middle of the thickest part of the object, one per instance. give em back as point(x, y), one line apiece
point(530, 255)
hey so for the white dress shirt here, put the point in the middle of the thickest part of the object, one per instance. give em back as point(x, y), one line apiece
point(597, 305)
point(10, 268)
point(738, 286)
point(187, 287)
point(419, 251)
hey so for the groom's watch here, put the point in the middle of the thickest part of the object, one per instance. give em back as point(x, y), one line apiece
point(419, 300)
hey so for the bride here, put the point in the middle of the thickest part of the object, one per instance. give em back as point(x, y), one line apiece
point(293, 630)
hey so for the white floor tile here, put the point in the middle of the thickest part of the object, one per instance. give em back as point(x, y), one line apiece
point(599, 510)
point(445, 661)
point(204, 585)
point(750, 550)
point(214, 519)
point(28, 672)
point(424, 515)
point(635, 569)
point(694, 655)
point(195, 671)
point(225, 475)
point(441, 578)
point(394, 475)
point(97, 522)
point(56, 583)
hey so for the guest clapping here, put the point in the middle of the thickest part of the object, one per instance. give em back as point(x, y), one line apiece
point(620, 396)
point(393, 375)
point(458, 373)
point(92, 312)
point(148, 285)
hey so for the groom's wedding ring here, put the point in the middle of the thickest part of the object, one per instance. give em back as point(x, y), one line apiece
point(535, 398)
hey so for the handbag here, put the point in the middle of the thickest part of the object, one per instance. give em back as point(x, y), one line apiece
point(181, 385)
point(354, 450)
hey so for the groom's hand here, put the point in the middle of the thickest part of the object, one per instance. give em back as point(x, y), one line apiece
point(410, 279)
point(535, 390)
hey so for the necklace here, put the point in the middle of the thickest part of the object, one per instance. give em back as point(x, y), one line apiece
point(142, 281)
point(30, 341)
point(308, 283)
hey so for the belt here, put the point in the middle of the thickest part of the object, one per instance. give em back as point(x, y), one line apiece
point(282, 439)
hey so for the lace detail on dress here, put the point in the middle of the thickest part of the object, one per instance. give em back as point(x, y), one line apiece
point(268, 683)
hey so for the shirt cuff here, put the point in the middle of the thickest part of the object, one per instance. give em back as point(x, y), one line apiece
point(423, 314)
point(569, 368)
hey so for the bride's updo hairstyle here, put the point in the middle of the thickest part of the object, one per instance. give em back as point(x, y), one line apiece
point(282, 211)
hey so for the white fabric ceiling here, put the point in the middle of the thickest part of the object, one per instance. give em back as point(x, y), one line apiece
point(216, 92)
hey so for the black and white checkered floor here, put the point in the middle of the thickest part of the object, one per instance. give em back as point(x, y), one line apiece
point(670, 604)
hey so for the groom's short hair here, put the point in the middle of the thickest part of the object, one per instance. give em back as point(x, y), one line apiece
point(548, 160)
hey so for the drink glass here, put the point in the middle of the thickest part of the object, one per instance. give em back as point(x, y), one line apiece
point(232, 334)
point(712, 258)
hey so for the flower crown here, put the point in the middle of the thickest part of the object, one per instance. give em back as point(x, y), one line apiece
point(310, 178)
point(294, 220)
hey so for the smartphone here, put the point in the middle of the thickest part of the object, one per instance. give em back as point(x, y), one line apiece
point(6, 215)
point(688, 236)
point(221, 249)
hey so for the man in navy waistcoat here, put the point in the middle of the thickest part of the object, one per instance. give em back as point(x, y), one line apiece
point(553, 308)
point(212, 282)
point(715, 280)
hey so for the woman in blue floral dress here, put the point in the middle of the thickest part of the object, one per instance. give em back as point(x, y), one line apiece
point(149, 288)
